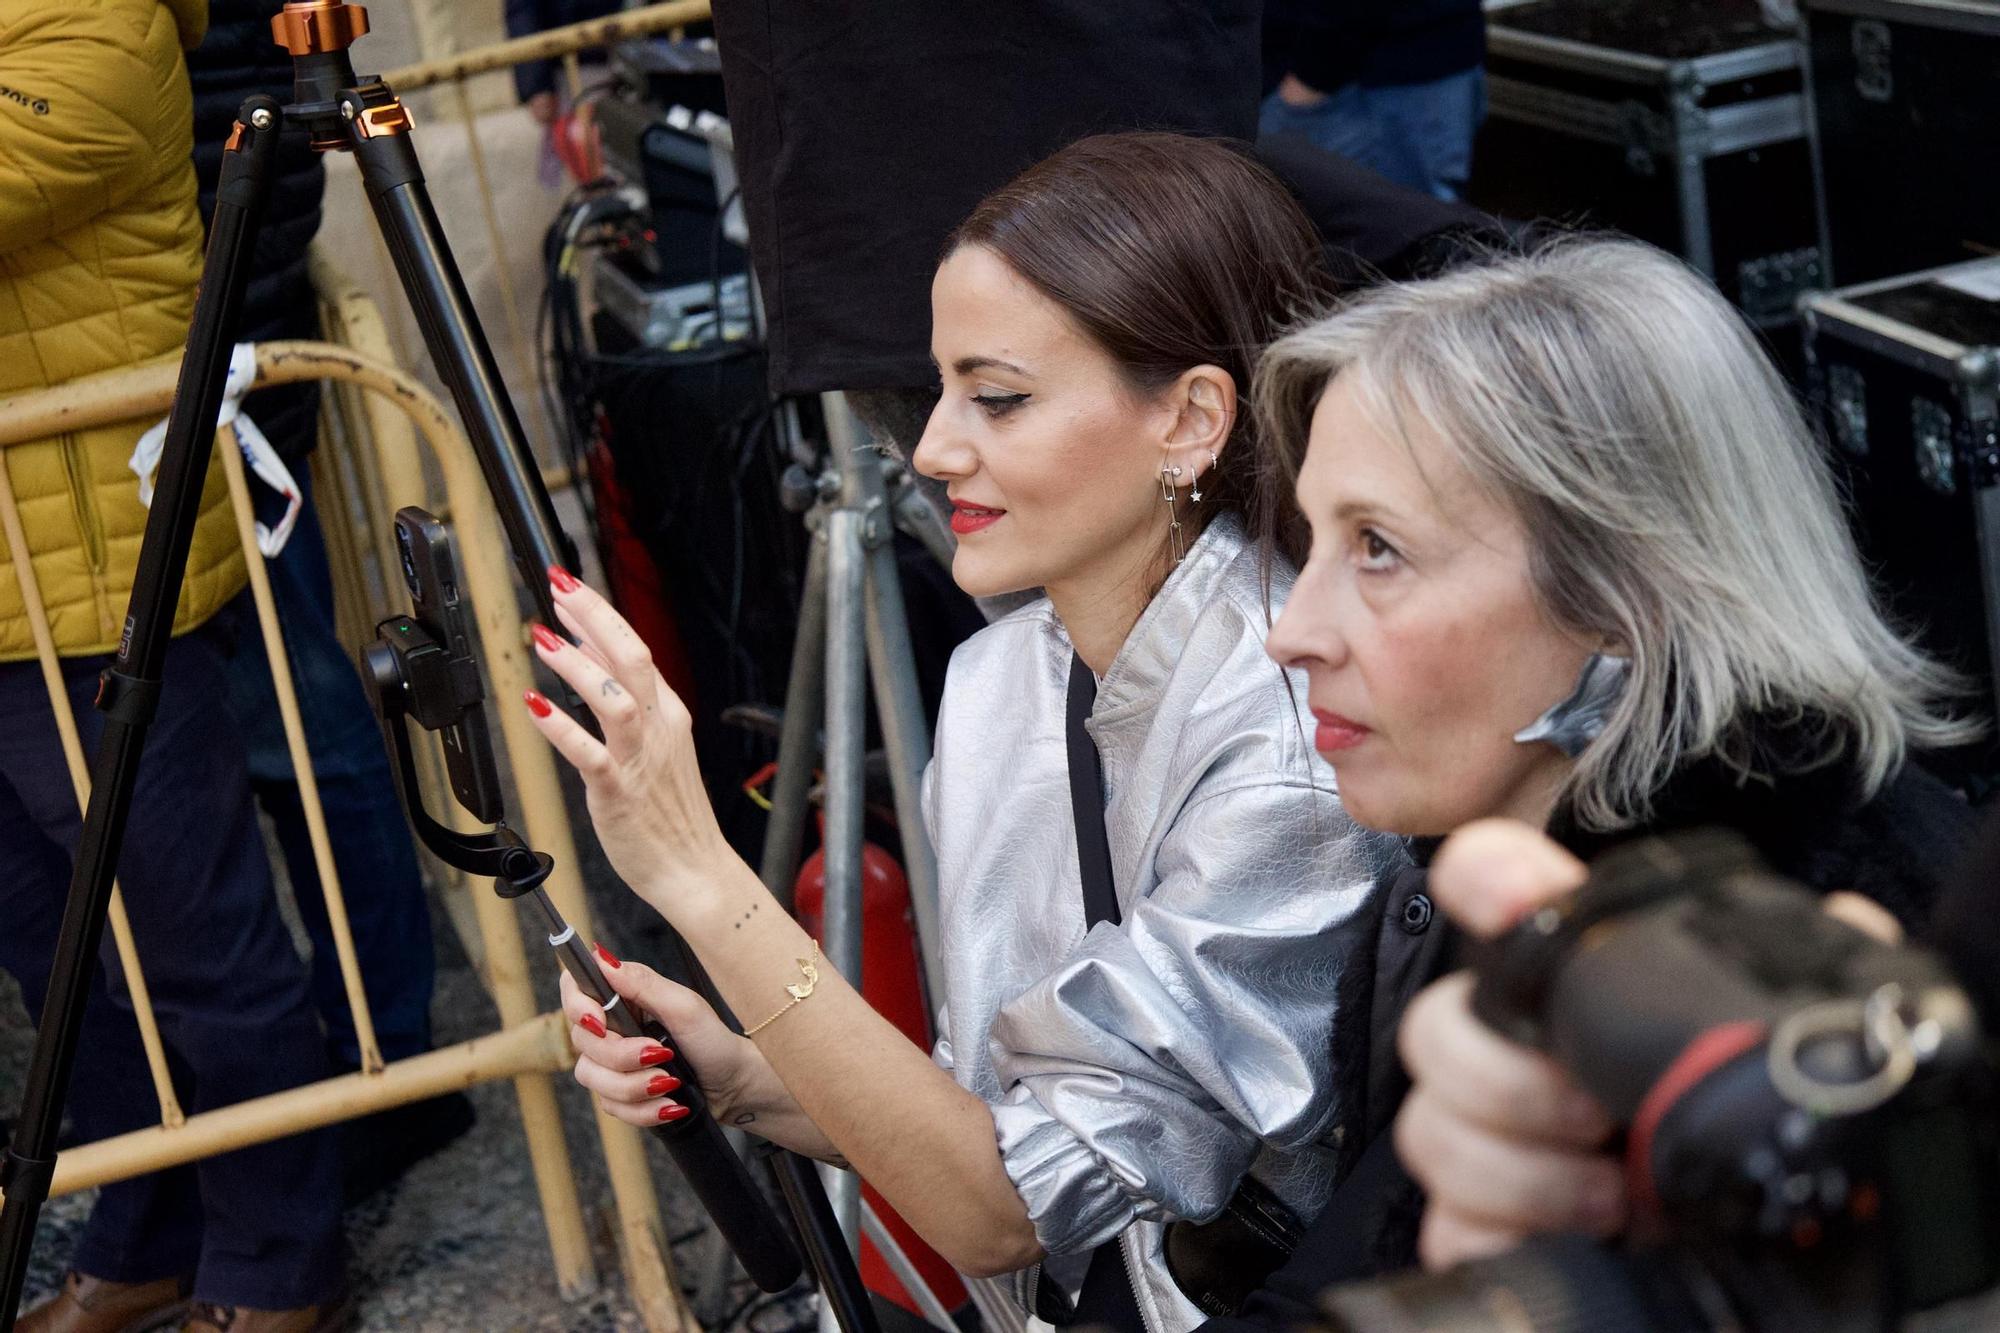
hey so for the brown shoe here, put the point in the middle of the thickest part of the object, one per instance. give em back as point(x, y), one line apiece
point(211, 1318)
point(92, 1305)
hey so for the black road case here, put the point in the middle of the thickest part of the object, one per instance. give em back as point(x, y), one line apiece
point(1906, 112)
point(1681, 122)
point(1907, 374)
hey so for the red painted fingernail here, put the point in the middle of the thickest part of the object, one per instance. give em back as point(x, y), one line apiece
point(610, 958)
point(562, 579)
point(546, 639)
point(661, 1084)
point(592, 1024)
point(654, 1055)
point(674, 1111)
point(537, 705)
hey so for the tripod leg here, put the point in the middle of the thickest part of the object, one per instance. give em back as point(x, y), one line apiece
point(846, 745)
point(798, 743)
point(131, 686)
point(844, 1300)
point(459, 350)
point(906, 736)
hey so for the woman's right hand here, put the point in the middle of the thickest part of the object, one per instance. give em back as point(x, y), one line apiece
point(1503, 1141)
point(648, 801)
point(626, 1072)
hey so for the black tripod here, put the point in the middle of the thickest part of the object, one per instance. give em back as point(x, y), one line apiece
point(347, 113)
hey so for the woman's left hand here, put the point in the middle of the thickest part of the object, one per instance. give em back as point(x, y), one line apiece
point(646, 796)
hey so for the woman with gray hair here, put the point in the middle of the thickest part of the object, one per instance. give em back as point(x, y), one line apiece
point(1576, 562)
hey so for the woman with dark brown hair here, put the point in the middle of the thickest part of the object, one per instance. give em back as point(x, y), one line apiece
point(1102, 1071)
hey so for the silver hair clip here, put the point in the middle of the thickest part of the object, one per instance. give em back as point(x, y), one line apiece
point(1579, 719)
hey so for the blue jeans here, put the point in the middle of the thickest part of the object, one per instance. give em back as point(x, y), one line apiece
point(1418, 135)
point(372, 851)
point(259, 1226)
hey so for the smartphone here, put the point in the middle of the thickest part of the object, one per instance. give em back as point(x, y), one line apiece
point(431, 572)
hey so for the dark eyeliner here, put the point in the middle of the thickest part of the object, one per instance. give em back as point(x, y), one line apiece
point(999, 404)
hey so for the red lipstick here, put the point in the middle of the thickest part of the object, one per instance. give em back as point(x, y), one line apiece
point(969, 518)
point(1336, 732)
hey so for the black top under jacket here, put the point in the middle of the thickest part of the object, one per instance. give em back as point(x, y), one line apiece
point(236, 58)
point(1901, 848)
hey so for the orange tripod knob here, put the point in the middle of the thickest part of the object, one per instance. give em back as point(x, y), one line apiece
point(309, 27)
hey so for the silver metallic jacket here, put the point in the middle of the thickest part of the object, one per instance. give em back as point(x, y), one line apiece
point(1136, 1072)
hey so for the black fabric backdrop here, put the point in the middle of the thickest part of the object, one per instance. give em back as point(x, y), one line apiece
point(867, 129)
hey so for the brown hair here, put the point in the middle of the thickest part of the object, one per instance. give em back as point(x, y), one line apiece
point(1170, 252)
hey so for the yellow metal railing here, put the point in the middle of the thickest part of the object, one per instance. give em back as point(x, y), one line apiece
point(385, 436)
point(530, 1045)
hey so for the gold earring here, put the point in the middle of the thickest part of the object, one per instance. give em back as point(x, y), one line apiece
point(1169, 478)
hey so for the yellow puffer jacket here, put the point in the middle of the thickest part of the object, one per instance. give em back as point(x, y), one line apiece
point(100, 250)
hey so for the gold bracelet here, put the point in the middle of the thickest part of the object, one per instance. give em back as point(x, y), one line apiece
point(810, 968)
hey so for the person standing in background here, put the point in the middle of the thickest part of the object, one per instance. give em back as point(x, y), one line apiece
point(100, 252)
point(1397, 85)
point(373, 854)
point(535, 81)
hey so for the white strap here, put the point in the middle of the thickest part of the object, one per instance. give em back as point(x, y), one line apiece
point(258, 454)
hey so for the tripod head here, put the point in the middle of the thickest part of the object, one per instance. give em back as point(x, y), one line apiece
point(316, 27)
point(318, 34)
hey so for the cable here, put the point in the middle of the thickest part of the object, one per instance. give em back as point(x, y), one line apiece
point(712, 518)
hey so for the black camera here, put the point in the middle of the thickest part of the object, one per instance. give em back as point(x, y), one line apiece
point(1808, 1115)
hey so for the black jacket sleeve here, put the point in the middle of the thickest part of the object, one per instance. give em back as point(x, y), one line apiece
point(1966, 929)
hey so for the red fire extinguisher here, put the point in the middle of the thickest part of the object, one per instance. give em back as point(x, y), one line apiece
point(890, 983)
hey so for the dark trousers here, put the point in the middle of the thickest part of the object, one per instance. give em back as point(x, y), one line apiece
point(257, 1227)
point(372, 851)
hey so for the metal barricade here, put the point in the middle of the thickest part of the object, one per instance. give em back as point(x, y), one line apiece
point(530, 1045)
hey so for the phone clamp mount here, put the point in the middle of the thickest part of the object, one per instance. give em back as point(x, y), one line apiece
point(415, 678)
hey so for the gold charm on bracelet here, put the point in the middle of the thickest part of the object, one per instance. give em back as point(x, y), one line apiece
point(800, 992)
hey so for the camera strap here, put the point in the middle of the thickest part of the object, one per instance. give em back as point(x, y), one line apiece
point(1086, 800)
point(1106, 1299)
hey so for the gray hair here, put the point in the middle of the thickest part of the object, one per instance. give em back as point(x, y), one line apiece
point(1673, 497)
